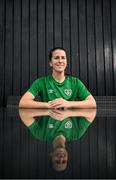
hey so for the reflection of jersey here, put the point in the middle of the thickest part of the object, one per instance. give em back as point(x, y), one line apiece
point(48, 128)
point(48, 89)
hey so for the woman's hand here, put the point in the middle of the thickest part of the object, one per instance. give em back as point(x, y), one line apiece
point(58, 114)
point(59, 103)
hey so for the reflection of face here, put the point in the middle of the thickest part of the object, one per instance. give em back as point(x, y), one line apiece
point(59, 159)
point(58, 61)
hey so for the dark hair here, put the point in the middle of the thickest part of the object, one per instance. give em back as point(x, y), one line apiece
point(56, 48)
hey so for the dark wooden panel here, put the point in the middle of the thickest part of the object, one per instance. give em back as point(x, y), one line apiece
point(76, 159)
point(30, 28)
point(57, 17)
point(85, 160)
point(2, 38)
point(25, 47)
point(13, 101)
point(91, 47)
point(33, 40)
point(83, 41)
point(17, 48)
point(49, 32)
point(99, 48)
point(102, 161)
point(113, 23)
point(107, 47)
point(93, 135)
point(66, 30)
point(41, 36)
point(110, 130)
point(49, 171)
point(8, 49)
point(115, 139)
point(7, 147)
point(42, 148)
point(15, 145)
point(24, 156)
point(33, 164)
point(74, 56)
point(2, 141)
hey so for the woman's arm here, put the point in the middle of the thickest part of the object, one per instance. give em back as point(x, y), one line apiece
point(89, 114)
point(89, 102)
point(27, 101)
point(27, 115)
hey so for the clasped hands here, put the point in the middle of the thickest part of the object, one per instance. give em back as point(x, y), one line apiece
point(59, 103)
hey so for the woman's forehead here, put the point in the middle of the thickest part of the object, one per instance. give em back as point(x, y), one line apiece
point(59, 52)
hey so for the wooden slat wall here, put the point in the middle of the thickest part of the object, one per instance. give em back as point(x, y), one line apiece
point(30, 28)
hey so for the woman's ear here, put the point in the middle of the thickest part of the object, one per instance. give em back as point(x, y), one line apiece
point(50, 63)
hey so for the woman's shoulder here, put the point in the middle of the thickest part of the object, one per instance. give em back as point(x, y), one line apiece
point(40, 79)
point(72, 77)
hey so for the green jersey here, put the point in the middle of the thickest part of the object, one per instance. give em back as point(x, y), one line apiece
point(48, 89)
point(48, 128)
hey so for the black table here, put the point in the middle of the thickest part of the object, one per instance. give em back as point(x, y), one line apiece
point(91, 156)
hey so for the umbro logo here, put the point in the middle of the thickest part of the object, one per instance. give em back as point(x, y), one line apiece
point(50, 91)
point(50, 125)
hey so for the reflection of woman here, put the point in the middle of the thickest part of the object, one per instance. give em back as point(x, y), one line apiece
point(66, 129)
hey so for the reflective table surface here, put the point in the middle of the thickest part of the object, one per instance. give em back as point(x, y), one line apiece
point(38, 143)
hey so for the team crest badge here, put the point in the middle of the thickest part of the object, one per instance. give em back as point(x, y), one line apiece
point(68, 92)
point(68, 125)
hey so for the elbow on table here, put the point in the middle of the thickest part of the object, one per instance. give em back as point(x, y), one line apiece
point(94, 104)
point(21, 103)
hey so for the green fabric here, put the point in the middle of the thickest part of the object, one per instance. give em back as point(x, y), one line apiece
point(48, 89)
point(48, 128)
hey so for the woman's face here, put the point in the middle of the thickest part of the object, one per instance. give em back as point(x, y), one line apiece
point(58, 61)
point(59, 159)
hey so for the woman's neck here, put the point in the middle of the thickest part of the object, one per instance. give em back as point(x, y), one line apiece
point(59, 141)
point(59, 77)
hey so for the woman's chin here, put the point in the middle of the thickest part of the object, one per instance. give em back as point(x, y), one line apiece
point(60, 70)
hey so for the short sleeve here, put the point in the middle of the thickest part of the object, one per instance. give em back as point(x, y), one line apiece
point(82, 91)
point(34, 129)
point(34, 88)
point(83, 124)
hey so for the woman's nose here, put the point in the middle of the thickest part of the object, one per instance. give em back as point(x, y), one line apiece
point(60, 59)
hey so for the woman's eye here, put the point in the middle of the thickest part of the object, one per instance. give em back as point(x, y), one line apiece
point(56, 58)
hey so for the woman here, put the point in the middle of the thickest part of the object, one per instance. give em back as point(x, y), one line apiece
point(58, 90)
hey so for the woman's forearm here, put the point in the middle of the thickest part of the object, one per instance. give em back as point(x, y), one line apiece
point(29, 103)
point(83, 104)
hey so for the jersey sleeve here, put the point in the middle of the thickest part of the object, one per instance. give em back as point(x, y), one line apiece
point(34, 129)
point(83, 124)
point(35, 88)
point(82, 91)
